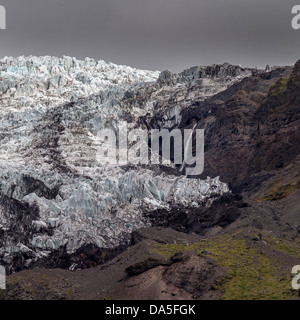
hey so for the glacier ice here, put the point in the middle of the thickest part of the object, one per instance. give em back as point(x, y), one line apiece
point(50, 180)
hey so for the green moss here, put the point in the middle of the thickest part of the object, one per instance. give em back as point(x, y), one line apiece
point(251, 275)
point(280, 88)
point(276, 96)
point(284, 246)
point(37, 289)
point(169, 250)
point(278, 191)
point(2, 294)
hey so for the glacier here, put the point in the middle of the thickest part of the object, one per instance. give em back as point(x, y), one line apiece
point(53, 191)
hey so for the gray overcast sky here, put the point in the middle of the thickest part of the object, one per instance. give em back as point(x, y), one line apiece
point(154, 34)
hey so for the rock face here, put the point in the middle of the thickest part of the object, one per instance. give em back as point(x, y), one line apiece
point(221, 213)
point(278, 119)
point(238, 125)
point(206, 72)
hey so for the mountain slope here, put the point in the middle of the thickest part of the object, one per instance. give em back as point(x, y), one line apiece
point(61, 207)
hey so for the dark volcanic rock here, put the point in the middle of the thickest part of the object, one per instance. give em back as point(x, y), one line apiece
point(85, 257)
point(163, 235)
point(32, 185)
point(21, 230)
point(240, 134)
point(193, 274)
point(278, 121)
point(145, 265)
point(222, 212)
point(199, 72)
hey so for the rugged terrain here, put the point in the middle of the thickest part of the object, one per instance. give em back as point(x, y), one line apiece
point(80, 229)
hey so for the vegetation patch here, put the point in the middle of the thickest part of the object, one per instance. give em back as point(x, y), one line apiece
point(284, 246)
point(280, 88)
point(251, 275)
point(278, 190)
point(276, 95)
point(25, 289)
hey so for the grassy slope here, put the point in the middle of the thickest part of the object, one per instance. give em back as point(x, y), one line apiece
point(252, 273)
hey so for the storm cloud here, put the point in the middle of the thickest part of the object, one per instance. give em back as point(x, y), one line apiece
point(154, 34)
